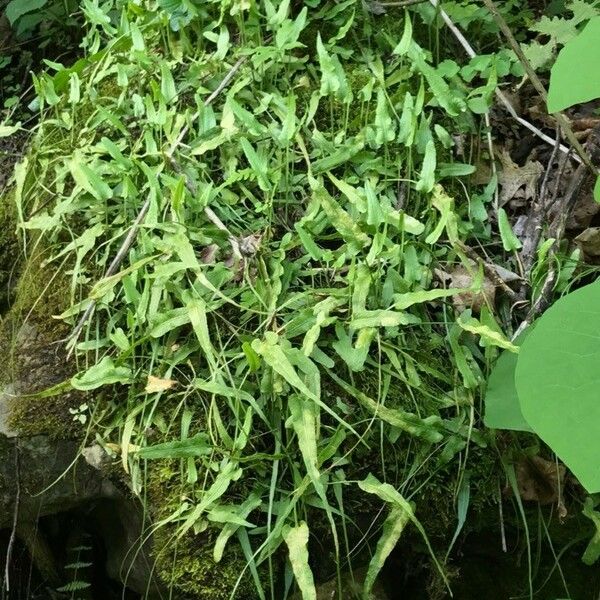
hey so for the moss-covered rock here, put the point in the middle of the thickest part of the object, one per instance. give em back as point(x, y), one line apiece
point(32, 352)
point(185, 564)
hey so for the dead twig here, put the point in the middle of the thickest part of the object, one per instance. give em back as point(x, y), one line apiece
point(488, 269)
point(501, 97)
point(556, 231)
point(561, 119)
point(224, 83)
point(128, 241)
point(535, 220)
point(209, 212)
point(13, 533)
point(540, 305)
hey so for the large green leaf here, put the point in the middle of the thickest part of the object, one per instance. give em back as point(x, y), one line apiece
point(17, 8)
point(574, 77)
point(502, 407)
point(558, 382)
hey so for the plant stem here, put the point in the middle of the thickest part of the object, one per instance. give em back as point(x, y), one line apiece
point(562, 120)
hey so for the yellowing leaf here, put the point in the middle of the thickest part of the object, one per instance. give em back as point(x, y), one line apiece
point(296, 539)
point(339, 218)
point(486, 333)
point(156, 384)
point(445, 205)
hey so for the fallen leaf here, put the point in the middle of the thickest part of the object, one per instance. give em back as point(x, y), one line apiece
point(475, 300)
point(514, 178)
point(156, 384)
point(208, 254)
point(540, 480)
point(589, 242)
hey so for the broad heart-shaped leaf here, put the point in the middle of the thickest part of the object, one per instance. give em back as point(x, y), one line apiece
point(17, 8)
point(502, 407)
point(574, 78)
point(558, 382)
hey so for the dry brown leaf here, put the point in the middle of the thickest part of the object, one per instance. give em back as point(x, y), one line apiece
point(156, 384)
point(462, 278)
point(540, 480)
point(514, 179)
point(208, 254)
point(589, 242)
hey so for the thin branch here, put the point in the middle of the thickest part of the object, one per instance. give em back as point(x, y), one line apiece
point(209, 212)
point(489, 270)
point(230, 74)
point(561, 119)
point(533, 228)
point(112, 269)
point(13, 533)
point(128, 241)
point(499, 94)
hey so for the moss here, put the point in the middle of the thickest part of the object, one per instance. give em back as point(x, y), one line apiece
point(9, 249)
point(34, 361)
point(187, 567)
point(185, 564)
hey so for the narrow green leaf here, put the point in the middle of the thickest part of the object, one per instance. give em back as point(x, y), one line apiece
point(427, 177)
point(390, 495)
point(486, 333)
point(592, 552)
point(404, 301)
point(296, 539)
point(197, 445)
point(89, 180)
point(8, 130)
point(509, 240)
point(339, 218)
point(251, 503)
point(103, 373)
point(258, 163)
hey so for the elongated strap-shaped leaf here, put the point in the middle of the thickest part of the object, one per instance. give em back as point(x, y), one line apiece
point(472, 325)
point(339, 218)
point(276, 358)
point(303, 420)
point(425, 428)
point(103, 373)
point(403, 301)
point(189, 447)
point(231, 472)
point(392, 530)
point(251, 503)
point(296, 539)
point(389, 494)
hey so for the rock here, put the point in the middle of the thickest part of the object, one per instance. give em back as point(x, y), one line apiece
point(44, 472)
